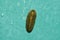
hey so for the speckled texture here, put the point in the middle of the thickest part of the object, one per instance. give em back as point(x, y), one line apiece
point(13, 15)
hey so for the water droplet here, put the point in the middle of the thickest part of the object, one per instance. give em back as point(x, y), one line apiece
point(11, 22)
point(24, 1)
point(18, 4)
point(2, 14)
point(46, 19)
point(23, 11)
point(56, 23)
point(24, 18)
point(53, 30)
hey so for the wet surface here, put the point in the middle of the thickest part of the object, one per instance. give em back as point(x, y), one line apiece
point(13, 14)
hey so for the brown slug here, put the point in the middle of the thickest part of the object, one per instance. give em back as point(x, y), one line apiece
point(30, 21)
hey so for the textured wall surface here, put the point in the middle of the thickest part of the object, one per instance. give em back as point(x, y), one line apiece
point(13, 15)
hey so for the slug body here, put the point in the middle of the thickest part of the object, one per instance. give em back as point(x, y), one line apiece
point(30, 21)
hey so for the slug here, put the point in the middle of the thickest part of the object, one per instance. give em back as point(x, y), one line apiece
point(30, 21)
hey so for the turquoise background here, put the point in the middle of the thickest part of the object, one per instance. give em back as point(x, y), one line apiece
point(13, 15)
